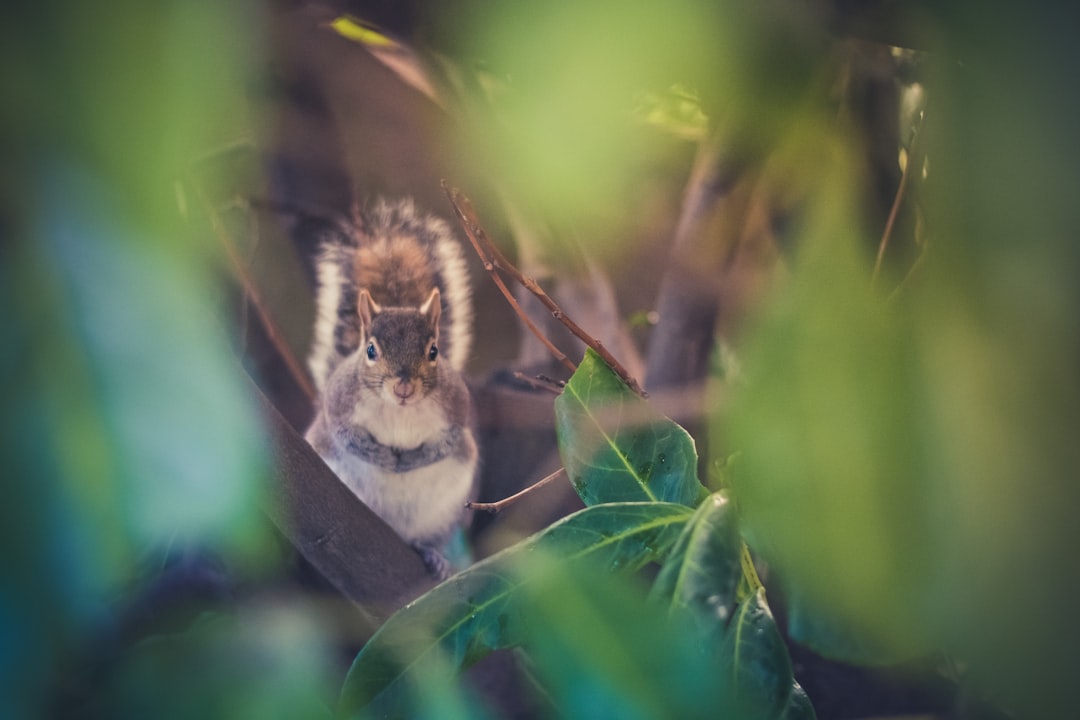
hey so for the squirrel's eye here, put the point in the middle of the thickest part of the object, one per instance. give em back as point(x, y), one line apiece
point(372, 353)
point(433, 353)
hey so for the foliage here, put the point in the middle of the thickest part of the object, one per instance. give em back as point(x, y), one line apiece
point(696, 648)
point(616, 448)
point(129, 437)
point(903, 455)
point(478, 610)
point(907, 454)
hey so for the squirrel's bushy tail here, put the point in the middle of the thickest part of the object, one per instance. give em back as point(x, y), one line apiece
point(380, 231)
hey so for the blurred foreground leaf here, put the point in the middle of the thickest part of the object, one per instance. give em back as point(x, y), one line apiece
point(479, 610)
point(127, 432)
point(602, 651)
point(616, 448)
point(831, 480)
point(909, 464)
point(270, 662)
point(562, 130)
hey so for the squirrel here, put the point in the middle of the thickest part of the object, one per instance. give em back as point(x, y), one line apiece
point(392, 335)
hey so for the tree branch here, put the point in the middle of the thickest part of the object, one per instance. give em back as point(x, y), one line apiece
point(252, 294)
point(493, 258)
point(501, 504)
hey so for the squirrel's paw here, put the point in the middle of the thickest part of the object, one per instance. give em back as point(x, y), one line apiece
point(436, 562)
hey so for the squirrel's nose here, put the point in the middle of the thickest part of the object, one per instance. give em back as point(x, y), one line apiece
point(403, 389)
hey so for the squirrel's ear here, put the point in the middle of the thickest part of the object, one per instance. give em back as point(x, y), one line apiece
point(432, 309)
point(366, 308)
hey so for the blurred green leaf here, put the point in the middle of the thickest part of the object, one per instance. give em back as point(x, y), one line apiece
point(616, 448)
point(126, 424)
point(478, 610)
point(908, 464)
point(564, 134)
point(831, 482)
point(270, 662)
point(564, 131)
point(999, 346)
point(830, 635)
point(602, 651)
point(176, 436)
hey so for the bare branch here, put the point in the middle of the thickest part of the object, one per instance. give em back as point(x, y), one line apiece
point(252, 294)
point(505, 502)
point(493, 258)
point(541, 382)
point(487, 252)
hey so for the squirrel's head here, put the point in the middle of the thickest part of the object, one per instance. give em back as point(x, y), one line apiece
point(399, 348)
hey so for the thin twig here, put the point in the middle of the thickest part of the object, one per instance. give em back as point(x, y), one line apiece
point(253, 296)
point(914, 161)
point(478, 237)
point(501, 504)
point(558, 384)
point(541, 382)
point(493, 258)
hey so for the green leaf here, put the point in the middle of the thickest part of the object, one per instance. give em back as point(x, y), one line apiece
point(477, 611)
point(798, 706)
point(755, 664)
point(616, 448)
point(703, 580)
point(273, 662)
point(701, 574)
point(832, 480)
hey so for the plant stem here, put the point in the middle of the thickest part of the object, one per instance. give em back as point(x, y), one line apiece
point(915, 161)
point(541, 382)
point(501, 504)
point(493, 258)
point(488, 252)
point(252, 295)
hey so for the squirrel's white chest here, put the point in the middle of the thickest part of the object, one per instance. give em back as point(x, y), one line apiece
point(401, 426)
point(421, 505)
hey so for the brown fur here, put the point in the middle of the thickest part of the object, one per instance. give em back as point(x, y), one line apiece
point(395, 270)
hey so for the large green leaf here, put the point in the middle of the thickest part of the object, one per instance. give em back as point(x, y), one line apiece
point(616, 448)
point(477, 611)
point(701, 582)
point(798, 706)
point(756, 667)
point(701, 574)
